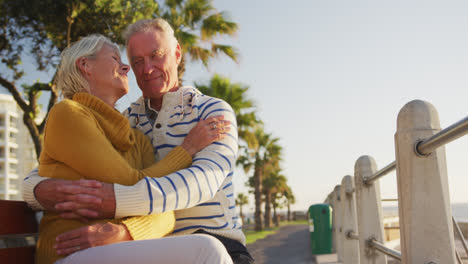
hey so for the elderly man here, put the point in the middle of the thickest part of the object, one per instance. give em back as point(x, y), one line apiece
point(202, 195)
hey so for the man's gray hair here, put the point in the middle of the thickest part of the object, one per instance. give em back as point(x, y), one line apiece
point(147, 25)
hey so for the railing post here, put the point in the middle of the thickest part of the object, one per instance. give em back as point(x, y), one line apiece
point(338, 223)
point(423, 193)
point(348, 203)
point(369, 211)
point(332, 202)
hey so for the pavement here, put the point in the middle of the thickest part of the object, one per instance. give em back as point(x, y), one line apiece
point(290, 244)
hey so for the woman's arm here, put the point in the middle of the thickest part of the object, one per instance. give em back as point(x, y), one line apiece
point(72, 136)
point(85, 127)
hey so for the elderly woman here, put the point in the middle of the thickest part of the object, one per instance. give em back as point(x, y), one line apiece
point(85, 137)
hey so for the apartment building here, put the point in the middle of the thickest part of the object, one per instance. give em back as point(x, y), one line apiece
point(17, 154)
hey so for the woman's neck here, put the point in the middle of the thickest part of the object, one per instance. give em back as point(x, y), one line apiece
point(106, 98)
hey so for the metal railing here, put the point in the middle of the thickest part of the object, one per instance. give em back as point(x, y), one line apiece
point(352, 235)
point(460, 234)
point(382, 248)
point(368, 233)
point(445, 136)
point(384, 171)
point(389, 200)
point(372, 243)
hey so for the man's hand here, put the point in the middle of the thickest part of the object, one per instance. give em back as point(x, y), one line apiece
point(77, 199)
point(91, 236)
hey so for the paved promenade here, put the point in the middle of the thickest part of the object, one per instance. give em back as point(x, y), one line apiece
point(289, 245)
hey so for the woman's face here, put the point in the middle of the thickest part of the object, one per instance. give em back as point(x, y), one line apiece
point(108, 75)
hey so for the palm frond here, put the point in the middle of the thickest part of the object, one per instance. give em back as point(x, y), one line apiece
point(227, 50)
point(186, 39)
point(199, 53)
point(195, 10)
point(217, 24)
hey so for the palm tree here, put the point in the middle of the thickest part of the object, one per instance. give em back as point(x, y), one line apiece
point(261, 152)
point(196, 24)
point(290, 199)
point(241, 200)
point(235, 94)
point(28, 32)
point(273, 185)
point(278, 189)
point(267, 184)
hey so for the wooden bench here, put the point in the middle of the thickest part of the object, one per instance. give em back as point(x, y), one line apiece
point(18, 232)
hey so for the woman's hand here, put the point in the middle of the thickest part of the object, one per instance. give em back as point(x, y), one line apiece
point(206, 132)
point(91, 236)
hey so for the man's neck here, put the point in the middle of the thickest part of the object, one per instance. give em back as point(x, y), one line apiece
point(156, 103)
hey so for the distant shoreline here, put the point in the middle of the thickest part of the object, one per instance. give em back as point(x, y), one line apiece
point(459, 211)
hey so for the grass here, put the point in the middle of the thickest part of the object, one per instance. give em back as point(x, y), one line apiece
point(252, 235)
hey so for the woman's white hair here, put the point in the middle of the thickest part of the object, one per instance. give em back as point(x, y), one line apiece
point(147, 25)
point(69, 77)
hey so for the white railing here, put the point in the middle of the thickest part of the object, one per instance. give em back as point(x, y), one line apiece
point(425, 218)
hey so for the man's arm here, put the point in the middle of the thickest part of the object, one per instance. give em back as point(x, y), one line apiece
point(188, 187)
point(89, 198)
point(27, 189)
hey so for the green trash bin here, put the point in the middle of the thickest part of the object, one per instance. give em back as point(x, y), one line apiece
point(320, 228)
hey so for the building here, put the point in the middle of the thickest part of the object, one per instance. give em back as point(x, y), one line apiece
point(17, 154)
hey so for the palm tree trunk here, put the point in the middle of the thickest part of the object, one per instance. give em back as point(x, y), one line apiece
point(241, 214)
point(275, 215)
point(289, 211)
point(258, 195)
point(268, 209)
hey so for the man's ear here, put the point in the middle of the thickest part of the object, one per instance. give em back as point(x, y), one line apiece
point(83, 64)
point(178, 53)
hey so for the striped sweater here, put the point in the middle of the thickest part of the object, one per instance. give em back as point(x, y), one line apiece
point(201, 195)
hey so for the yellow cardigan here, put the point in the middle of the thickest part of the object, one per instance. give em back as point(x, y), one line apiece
point(86, 138)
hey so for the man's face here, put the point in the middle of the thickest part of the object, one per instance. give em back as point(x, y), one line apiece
point(154, 62)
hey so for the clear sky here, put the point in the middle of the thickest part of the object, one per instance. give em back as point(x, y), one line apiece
point(329, 78)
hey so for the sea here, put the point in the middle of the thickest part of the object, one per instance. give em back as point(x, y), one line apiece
point(459, 211)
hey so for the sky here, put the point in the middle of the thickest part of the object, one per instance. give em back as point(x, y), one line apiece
point(329, 78)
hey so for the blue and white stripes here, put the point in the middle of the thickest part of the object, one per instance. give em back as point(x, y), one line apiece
point(203, 194)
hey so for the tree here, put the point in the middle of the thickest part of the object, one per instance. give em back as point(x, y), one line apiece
point(261, 152)
point(277, 192)
point(275, 202)
point(242, 200)
point(235, 94)
point(290, 199)
point(196, 24)
point(269, 181)
point(43, 29)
